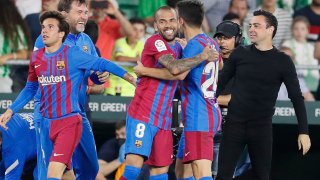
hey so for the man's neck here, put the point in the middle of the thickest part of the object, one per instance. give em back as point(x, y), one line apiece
point(264, 46)
point(225, 56)
point(191, 32)
point(53, 48)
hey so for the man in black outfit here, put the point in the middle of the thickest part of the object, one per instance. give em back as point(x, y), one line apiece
point(258, 71)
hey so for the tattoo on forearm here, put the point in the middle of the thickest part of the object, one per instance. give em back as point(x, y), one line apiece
point(179, 66)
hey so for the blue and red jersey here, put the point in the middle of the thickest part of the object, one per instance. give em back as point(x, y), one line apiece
point(83, 41)
point(200, 110)
point(153, 97)
point(60, 75)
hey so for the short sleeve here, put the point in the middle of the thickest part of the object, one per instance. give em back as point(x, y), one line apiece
point(192, 49)
point(157, 47)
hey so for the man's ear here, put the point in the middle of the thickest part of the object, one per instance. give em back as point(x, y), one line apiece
point(155, 26)
point(271, 29)
point(61, 34)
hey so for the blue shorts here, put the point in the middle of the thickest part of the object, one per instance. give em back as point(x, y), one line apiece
point(15, 158)
point(149, 141)
point(84, 160)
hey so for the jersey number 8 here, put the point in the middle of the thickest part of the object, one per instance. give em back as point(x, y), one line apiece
point(140, 130)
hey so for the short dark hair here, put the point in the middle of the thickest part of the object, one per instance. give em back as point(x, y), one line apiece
point(137, 21)
point(230, 16)
point(172, 3)
point(231, 3)
point(65, 5)
point(120, 124)
point(191, 11)
point(271, 20)
point(63, 25)
point(168, 8)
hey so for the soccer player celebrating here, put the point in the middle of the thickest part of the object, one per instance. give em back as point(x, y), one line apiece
point(59, 69)
point(200, 112)
point(198, 89)
point(84, 160)
point(149, 118)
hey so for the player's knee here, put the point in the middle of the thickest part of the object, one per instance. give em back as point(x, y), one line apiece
point(155, 170)
point(56, 169)
point(183, 171)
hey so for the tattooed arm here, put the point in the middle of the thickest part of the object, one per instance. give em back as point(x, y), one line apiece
point(179, 66)
point(158, 73)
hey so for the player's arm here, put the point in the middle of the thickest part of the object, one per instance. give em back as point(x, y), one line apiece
point(177, 67)
point(228, 71)
point(294, 93)
point(27, 93)
point(89, 62)
point(95, 89)
point(158, 73)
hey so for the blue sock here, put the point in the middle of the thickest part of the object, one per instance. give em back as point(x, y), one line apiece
point(159, 177)
point(131, 172)
point(206, 178)
point(188, 178)
point(53, 179)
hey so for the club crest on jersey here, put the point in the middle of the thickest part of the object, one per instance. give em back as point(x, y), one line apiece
point(60, 65)
point(138, 143)
point(160, 45)
point(85, 48)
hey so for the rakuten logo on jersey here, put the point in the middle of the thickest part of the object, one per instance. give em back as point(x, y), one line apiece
point(47, 80)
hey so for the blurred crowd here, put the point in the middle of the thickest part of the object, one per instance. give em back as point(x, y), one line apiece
point(119, 29)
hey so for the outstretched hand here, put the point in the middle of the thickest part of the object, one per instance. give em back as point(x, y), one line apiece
point(304, 143)
point(4, 118)
point(209, 54)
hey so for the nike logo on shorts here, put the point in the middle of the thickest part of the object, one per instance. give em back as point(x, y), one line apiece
point(186, 154)
point(55, 154)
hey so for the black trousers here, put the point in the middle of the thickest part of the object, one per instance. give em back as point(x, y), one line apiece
point(257, 134)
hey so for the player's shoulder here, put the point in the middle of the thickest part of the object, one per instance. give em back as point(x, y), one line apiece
point(38, 43)
point(281, 56)
point(37, 53)
point(84, 36)
point(73, 48)
point(243, 48)
point(156, 41)
point(155, 38)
